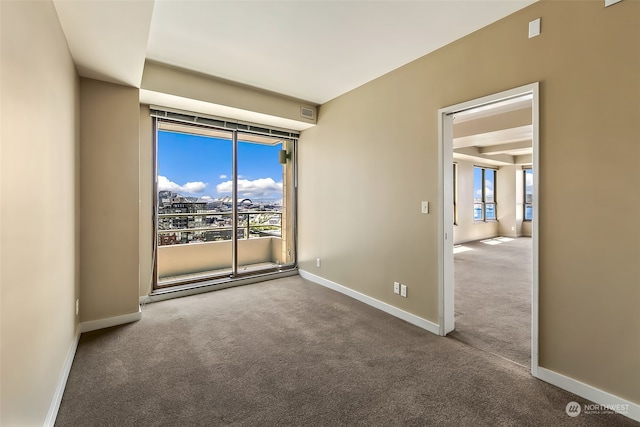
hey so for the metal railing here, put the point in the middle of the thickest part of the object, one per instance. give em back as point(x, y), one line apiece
point(184, 228)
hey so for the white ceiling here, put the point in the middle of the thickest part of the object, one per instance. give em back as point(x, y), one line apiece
point(507, 145)
point(310, 50)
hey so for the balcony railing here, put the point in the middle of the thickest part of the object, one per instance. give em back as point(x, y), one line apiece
point(183, 228)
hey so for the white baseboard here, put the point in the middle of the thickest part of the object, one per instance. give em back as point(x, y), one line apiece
point(394, 311)
point(111, 321)
point(606, 400)
point(64, 374)
point(62, 381)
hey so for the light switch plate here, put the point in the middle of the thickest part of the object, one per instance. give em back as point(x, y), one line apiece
point(425, 207)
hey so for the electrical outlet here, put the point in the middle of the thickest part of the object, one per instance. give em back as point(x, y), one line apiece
point(77, 306)
point(396, 288)
point(403, 291)
point(318, 262)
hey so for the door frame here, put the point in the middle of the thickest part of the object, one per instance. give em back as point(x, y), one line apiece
point(446, 318)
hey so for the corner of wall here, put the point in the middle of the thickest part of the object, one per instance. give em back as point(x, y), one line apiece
point(109, 199)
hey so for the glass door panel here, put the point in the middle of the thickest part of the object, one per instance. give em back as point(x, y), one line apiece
point(265, 203)
point(194, 202)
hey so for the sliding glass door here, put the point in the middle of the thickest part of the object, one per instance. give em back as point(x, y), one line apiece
point(264, 241)
point(225, 203)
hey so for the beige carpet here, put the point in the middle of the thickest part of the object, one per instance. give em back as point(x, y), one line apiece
point(493, 297)
point(291, 353)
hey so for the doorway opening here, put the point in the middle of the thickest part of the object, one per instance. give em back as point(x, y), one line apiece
point(225, 201)
point(489, 263)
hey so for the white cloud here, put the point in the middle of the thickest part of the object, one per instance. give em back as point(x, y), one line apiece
point(164, 184)
point(529, 180)
point(223, 176)
point(489, 188)
point(263, 188)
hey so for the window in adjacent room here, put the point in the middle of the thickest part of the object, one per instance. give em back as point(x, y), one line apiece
point(484, 197)
point(528, 194)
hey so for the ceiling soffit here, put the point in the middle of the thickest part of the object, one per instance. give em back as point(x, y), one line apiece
point(499, 134)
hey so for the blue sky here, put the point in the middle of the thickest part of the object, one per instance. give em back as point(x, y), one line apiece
point(200, 166)
point(477, 185)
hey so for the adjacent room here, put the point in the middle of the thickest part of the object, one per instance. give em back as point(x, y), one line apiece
point(493, 212)
point(248, 212)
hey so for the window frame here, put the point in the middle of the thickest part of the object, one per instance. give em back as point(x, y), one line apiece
point(455, 193)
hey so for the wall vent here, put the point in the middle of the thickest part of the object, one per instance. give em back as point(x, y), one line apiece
point(308, 113)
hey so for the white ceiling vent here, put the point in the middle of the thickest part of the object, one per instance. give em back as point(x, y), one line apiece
point(308, 113)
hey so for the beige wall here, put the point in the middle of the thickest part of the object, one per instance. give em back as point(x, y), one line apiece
point(509, 211)
point(39, 209)
point(373, 157)
point(109, 174)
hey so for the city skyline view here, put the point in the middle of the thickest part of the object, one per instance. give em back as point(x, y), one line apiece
point(201, 166)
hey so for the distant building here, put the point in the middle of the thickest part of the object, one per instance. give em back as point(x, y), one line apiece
point(167, 239)
point(173, 203)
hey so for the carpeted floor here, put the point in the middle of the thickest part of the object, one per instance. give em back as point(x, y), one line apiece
point(292, 353)
point(493, 297)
